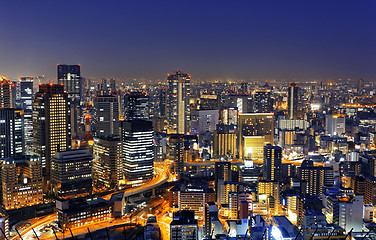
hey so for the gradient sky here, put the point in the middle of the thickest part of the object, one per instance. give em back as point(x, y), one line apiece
point(250, 40)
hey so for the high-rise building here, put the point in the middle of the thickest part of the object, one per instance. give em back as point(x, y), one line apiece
point(136, 106)
point(106, 115)
point(184, 226)
point(193, 198)
point(224, 141)
point(70, 77)
point(272, 163)
point(255, 130)
point(335, 125)
point(11, 132)
point(176, 152)
point(209, 102)
point(262, 101)
point(315, 179)
point(22, 182)
point(271, 190)
point(292, 101)
point(107, 163)
point(25, 102)
point(203, 121)
point(71, 173)
point(178, 96)
point(138, 150)
point(6, 93)
point(222, 172)
point(51, 123)
point(25, 93)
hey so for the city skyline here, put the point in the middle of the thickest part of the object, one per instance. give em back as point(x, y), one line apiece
point(291, 41)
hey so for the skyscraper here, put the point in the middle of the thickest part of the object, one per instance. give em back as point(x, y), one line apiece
point(70, 76)
point(272, 163)
point(11, 132)
point(136, 106)
point(107, 163)
point(138, 150)
point(262, 101)
point(25, 102)
point(175, 145)
point(292, 101)
point(6, 93)
point(106, 115)
point(71, 173)
point(255, 130)
point(51, 122)
point(178, 94)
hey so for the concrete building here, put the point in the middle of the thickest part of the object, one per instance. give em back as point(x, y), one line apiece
point(138, 150)
point(106, 116)
point(184, 226)
point(51, 123)
point(12, 134)
point(255, 130)
point(71, 174)
point(22, 182)
point(107, 163)
point(178, 94)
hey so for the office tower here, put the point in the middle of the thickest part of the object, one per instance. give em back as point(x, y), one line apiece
point(6, 93)
point(250, 173)
point(225, 188)
point(262, 101)
point(345, 211)
point(224, 141)
point(203, 121)
point(70, 77)
point(243, 103)
point(71, 174)
point(106, 115)
point(233, 205)
point(25, 93)
point(244, 87)
point(360, 86)
point(22, 182)
point(192, 198)
point(51, 123)
point(209, 102)
point(113, 87)
point(335, 125)
point(271, 190)
point(184, 226)
point(292, 101)
point(107, 163)
point(229, 116)
point(222, 172)
point(175, 145)
point(25, 102)
point(163, 102)
point(315, 179)
point(136, 106)
point(272, 163)
point(295, 209)
point(178, 94)
point(11, 132)
point(138, 150)
point(255, 130)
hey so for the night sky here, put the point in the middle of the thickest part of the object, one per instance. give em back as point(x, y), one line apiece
point(243, 40)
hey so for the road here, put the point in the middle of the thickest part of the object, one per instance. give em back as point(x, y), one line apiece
point(162, 174)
